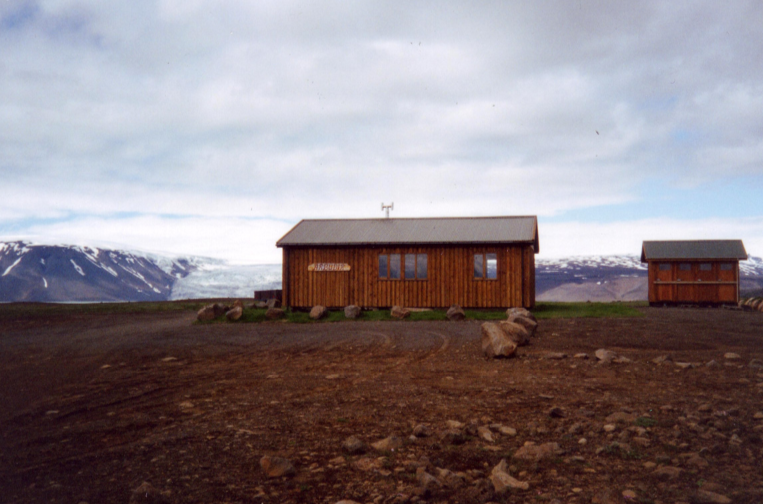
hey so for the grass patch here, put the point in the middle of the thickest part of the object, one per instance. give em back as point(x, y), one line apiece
point(646, 422)
point(587, 310)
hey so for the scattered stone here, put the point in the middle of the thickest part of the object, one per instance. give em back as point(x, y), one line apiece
point(522, 312)
point(234, 313)
point(273, 303)
point(756, 364)
point(629, 494)
point(169, 359)
point(275, 467)
point(399, 312)
point(609, 427)
point(274, 313)
point(495, 343)
point(711, 363)
point(556, 355)
point(454, 424)
point(454, 437)
point(532, 452)
point(509, 431)
point(390, 443)
point(581, 355)
point(758, 415)
point(353, 446)
point(621, 417)
point(352, 311)
point(555, 412)
point(605, 356)
point(421, 430)
point(582, 441)
point(697, 461)
point(455, 313)
point(649, 465)
point(731, 356)
point(502, 481)
point(708, 497)
point(668, 472)
point(317, 312)
point(515, 332)
point(486, 434)
point(146, 493)
point(662, 359)
point(684, 365)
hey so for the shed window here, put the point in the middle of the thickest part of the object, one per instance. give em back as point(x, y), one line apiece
point(486, 266)
point(664, 266)
point(684, 266)
point(727, 266)
point(706, 267)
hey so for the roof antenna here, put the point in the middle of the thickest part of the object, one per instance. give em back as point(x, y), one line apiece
point(387, 208)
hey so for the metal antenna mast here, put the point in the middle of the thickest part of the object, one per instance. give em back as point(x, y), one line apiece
point(387, 208)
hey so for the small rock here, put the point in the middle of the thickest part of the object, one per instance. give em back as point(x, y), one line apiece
point(731, 356)
point(556, 355)
point(274, 313)
point(684, 365)
point(629, 494)
point(758, 415)
point(273, 303)
point(529, 324)
point(454, 424)
point(668, 472)
point(556, 412)
point(147, 494)
point(708, 497)
point(756, 364)
point(581, 355)
point(486, 434)
point(235, 313)
point(522, 312)
point(502, 481)
point(390, 443)
point(697, 461)
point(609, 427)
point(536, 453)
point(509, 431)
point(605, 356)
point(421, 430)
point(353, 446)
point(662, 358)
point(275, 467)
point(621, 417)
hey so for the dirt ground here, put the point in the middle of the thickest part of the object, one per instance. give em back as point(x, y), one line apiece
point(92, 405)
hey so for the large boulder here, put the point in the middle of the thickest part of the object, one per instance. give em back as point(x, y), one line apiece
point(516, 332)
point(234, 313)
point(529, 324)
point(502, 481)
point(495, 342)
point(274, 313)
point(352, 311)
point(522, 312)
point(318, 312)
point(238, 302)
point(273, 303)
point(210, 312)
point(455, 313)
point(399, 312)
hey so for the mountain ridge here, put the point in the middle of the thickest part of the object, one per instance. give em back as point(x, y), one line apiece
point(76, 273)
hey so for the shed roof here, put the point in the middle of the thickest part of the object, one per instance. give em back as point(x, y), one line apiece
point(410, 231)
point(693, 249)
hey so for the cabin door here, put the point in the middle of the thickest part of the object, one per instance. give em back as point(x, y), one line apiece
point(664, 292)
point(727, 290)
point(706, 273)
point(685, 287)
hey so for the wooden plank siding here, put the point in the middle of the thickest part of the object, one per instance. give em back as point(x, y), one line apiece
point(450, 278)
point(717, 285)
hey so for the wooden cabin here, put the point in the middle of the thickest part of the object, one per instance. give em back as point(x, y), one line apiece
point(479, 262)
point(693, 272)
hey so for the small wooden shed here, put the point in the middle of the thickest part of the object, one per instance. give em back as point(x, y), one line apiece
point(693, 271)
point(477, 262)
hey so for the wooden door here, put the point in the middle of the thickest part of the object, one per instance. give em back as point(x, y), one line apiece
point(664, 273)
point(707, 292)
point(728, 272)
point(685, 291)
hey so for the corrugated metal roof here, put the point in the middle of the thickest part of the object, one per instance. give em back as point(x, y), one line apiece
point(441, 230)
point(693, 249)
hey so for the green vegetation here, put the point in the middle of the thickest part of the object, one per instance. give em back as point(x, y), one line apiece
point(586, 310)
point(646, 422)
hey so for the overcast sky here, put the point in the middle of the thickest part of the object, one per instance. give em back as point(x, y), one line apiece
point(211, 128)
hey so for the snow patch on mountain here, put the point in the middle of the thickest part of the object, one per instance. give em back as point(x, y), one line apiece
point(221, 280)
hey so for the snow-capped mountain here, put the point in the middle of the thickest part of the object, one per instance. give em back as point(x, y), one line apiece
point(62, 273)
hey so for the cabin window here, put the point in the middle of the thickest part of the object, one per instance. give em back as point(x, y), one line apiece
point(408, 266)
point(394, 266)
point(727, 266)
point(421, 266)
point(664, 266)
point(383, 265)
point(485, 266)
point(684, 266)
point(706, 267)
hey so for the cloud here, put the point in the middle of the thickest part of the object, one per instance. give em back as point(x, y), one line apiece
point(290, 110)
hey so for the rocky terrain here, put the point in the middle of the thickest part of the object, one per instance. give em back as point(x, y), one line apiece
point(98, 403)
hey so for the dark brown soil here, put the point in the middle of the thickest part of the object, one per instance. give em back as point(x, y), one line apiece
point(92, 405)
